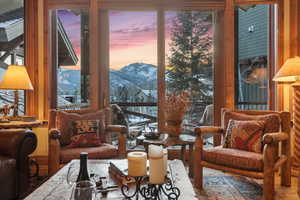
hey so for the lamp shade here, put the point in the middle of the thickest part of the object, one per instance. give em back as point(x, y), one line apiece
point(16, 78)
point(289, 72)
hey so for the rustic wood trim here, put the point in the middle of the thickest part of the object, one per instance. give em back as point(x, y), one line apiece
point(162, 4)
point(256, 2)
point(271, 58)
point(161, 68)
point(61, 4)
point(53, 59)
point(219, 71)
point(229, 54)
point(103, 53)
point(34, 58)
point(94, 56)
point(294, 34)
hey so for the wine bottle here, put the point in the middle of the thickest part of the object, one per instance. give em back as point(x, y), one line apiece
point(83, 172)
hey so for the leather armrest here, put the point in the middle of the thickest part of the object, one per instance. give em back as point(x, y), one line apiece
point(275, 137)
point(208, 130)
point(117, 128)
point(54, 134)
point(16, 141)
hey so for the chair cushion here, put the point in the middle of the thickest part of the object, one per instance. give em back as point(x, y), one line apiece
point(86, 133)
point(234, 158)
point(64, 122)
point(272, 121)
point(244, 135)
point(101, 152)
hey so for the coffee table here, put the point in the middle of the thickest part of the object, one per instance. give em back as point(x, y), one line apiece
point(57, 187)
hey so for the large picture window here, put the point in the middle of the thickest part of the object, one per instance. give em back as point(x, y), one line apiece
point(254, 56)
point(11, 45)
point(72, 28)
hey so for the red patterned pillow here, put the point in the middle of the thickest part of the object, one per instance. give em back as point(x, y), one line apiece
point(244, 135)
point(86, 133)
point(64, 122)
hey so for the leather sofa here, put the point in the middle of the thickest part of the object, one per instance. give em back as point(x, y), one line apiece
point(15, 146)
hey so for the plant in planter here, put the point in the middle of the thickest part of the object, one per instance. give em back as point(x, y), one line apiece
point(175, 107)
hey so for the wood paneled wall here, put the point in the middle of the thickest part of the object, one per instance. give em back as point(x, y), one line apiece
point(36, 101)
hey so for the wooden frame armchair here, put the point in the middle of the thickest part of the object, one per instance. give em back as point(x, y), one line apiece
point(59, 154)
point(270, 159)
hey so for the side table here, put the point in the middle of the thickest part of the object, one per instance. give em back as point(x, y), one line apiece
point(20, 124)
point(182, 140)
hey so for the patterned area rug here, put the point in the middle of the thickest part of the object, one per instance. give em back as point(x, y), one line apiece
point(220, 186)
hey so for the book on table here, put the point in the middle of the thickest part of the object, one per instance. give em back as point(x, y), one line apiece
point(119, 171)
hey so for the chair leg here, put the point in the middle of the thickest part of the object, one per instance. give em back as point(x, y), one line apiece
point(286, 174)
point(198, 177)
point(268, 186)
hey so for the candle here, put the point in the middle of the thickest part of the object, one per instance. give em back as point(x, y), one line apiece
point(137, 164)
point(165, 151)
point(156, 165)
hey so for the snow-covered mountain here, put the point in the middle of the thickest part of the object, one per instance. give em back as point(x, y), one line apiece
point(136, 76)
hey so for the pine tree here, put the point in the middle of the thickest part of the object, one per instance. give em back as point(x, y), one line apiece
point(190, 55)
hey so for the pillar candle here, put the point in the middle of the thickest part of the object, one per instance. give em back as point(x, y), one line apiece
point(156, 165)
point(137, 164)
point(165, 151)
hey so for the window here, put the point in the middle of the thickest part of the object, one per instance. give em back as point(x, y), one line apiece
point(133, 65)
point(189, 60)
point(11, 45)
point(254, 57)
point(72, 28)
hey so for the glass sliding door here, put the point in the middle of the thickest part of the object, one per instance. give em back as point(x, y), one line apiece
point(255, 35)
point(189, 61)
point(72, 28)
point(132, 66)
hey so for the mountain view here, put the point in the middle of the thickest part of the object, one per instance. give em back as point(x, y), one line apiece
point(134, 82)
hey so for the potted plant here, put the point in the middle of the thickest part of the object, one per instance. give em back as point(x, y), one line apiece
point(175, 107)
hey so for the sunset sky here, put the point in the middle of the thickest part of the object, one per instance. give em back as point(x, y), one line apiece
point(133, 36)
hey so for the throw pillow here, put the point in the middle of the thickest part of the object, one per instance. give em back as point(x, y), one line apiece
point(272, 121)
point(64, 122)
point(244, 135)
point(85, 134)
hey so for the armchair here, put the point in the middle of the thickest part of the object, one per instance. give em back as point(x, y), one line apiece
point(15, 146)
point(60, 133)
point(256, 165)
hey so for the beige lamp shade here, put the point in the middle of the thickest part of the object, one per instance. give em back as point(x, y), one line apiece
point(289, 72)
point(16, 78)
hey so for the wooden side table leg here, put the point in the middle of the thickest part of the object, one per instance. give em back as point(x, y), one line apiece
point(191, 168)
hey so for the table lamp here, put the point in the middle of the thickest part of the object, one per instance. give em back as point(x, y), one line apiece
point(16, 78)
point(290, 72)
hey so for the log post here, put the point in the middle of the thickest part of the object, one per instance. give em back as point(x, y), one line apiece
point(269, 161)
point(198, 169)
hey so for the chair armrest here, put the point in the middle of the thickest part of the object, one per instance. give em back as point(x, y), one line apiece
point(275, 137)
point(208, 130)
point(117, 128)
point(54, 134)
point(16, 143)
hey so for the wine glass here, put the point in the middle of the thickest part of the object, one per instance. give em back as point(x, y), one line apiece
point(72, 173)
point(84, 190)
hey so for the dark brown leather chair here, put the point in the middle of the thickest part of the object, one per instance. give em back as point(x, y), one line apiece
point(15, 146)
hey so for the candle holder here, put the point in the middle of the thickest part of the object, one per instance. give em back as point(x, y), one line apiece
point(151, 191)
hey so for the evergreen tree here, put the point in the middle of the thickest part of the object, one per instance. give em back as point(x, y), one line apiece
point(190, 55)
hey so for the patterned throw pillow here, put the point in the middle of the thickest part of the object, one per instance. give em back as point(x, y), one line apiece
point(244, 135)
point(86, 133)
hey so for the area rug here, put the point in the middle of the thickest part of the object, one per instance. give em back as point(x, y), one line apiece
point(221, 186)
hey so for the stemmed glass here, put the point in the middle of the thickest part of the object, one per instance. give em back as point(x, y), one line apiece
point(72, 173)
